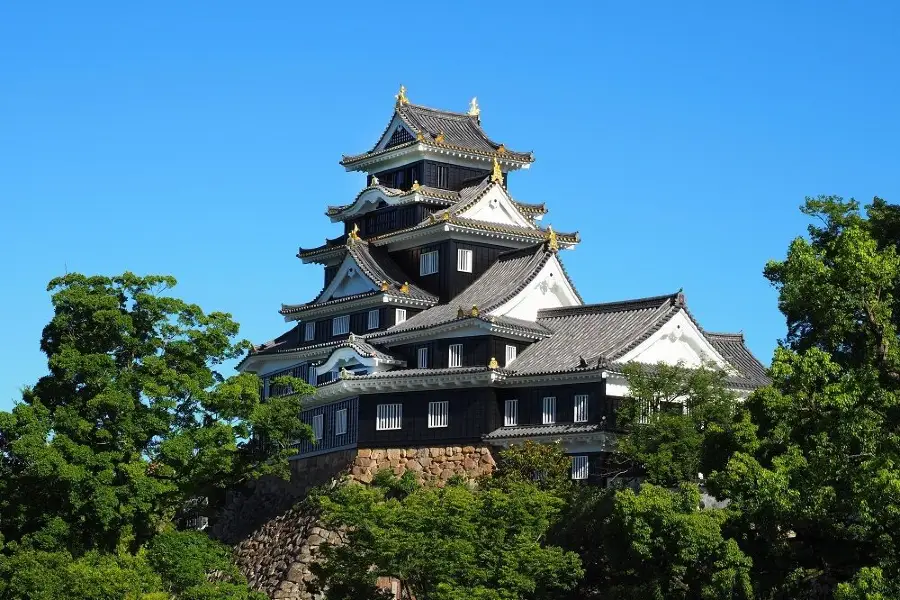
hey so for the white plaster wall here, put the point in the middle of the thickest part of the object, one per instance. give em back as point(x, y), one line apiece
point(550, 289)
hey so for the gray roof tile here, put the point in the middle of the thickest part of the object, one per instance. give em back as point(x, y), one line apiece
point(543, 430)
point(735, 351)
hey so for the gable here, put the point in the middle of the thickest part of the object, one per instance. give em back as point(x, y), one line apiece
point(550, 288)
point(677, 341)
point(396, 133)
point(348, 281)
point(495, 206)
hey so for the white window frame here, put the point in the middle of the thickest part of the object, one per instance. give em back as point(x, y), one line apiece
point(580, 467)
point(422, 355)
point(399, 316)
point(580, 408)
point(438, 414)
point(455, 356)
point(312, 376)
point(318, 426)
point(310, 333)
point(388, 417)
point(374, 318)
point(548, 415)
point(464, 260)
point(511, 413)
point(428, 263)
point(340, 421)
point(340, 325)
point(511, 353)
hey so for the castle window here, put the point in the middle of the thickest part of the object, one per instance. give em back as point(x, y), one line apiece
point(310, 332)
point(312, 375)
point(428, 263)
point(511, 413)
point(318, 426)
point(399, 316)
point(438, 414)
point(464, 260)
point(511, 352)
point(373, 319)
point(340, 421)
point(388, 416)
point(340, 325)
point(456, 351)
point(579, 467)
point(443, 176)
point(549, 415)
point(581, 408)
point(423, 357)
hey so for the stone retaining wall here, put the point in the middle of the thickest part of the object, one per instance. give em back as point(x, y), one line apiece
point(437, 463)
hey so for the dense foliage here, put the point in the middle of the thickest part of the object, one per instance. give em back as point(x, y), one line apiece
point(130, 425)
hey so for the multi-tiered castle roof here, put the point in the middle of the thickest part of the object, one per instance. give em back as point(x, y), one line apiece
point(442, 279)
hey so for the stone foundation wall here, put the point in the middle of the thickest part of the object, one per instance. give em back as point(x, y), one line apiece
point(276, 556)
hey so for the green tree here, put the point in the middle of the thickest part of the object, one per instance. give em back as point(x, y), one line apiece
point(451, 543)
point(818, 501)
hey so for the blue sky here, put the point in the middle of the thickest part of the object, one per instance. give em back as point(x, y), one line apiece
point(202, 139)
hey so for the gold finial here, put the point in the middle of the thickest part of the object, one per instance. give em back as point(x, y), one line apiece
point(402, 100)
point(474, 311)
point(474, 110)
point(415, 185)
point(493, 364)
point(501, 149)
point(344, 373)
point(405, 287)
point(374, 181)
point(439, 138)
point(460, 313)
point(420, 137)
point(552, 241)
point(446, 215)
point(354, 233)
point(497, 174)
point(384, 286)
point(432, 218)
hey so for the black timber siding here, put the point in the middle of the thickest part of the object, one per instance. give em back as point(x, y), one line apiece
point(330, 440)
point(359, 324)
point(477, 351)
point(401, 178)
point(389, 218)
point(472, 412)
point(450, 177)
point(330, 272)
point(601, 408)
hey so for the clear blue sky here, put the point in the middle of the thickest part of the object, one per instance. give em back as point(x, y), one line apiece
point(202, 139)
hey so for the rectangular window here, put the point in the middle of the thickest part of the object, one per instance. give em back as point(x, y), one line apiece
point(340, 421)
point(438, 414)
point(511, 413)
point(549, 416)
point(579, 467)
point(455, 355)
point(511, 352)
point(310, 333)
point(312, 375)
point(464, 260)
point(581, 408)
point(388, 416)
point(423, 358)
point(442, 177)
point(373, 319)
point(400, 316)
point(318, 426)
point(428, 263)
point(340, 325)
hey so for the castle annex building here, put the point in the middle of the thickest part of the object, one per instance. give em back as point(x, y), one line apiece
point(447, 317)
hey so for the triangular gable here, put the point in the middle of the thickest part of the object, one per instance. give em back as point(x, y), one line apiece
point(398, 127)
point(550, 288)
point(368, 200)
point(348, 281)
point(679, 340)
point(495, 206)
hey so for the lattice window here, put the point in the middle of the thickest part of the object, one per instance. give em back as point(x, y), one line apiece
point(310, 332)
point(511, 353)
point(373, 319)
point(400, 136)
point(464, 260)
point(511, 413)
point(340, 421)
point(340, 325)
point(456, 352)
point(580, 467)
point(399, 316)
point(423, 358)
point(428, 263)
point(318, 426)
point(438, 414)
point(388, 416)
point(549, 414)
point(581, 408)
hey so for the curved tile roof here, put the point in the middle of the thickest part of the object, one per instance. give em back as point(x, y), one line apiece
point(735, 351)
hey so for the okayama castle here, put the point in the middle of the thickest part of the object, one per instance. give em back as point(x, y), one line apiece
point(447, 316)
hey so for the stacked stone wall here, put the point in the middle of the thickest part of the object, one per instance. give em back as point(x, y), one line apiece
point(276, 555)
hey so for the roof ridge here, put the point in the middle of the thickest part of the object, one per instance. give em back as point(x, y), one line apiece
point(724, 334)
point(452, 113)
point(616, 306)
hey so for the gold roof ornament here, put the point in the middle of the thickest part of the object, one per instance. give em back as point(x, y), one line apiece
point(405, 287)
point(354, 233)
point(493, 364)
point(460, 313)
point(446, 215)
point(384, 286)
point(415, 186)
point(440, 137)
point(501, 149)
point(402, 100)
point(497, 174)
point(552, 240)
point(474, 109)
point(420, 137)
point(374, 181)
point(475, 312)
point(344, 373)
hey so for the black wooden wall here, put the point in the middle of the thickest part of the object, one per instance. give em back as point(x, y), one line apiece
point(477, 351)
point(601, 408)
point(471, 413)
point(331, 440)
point(359, 324)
